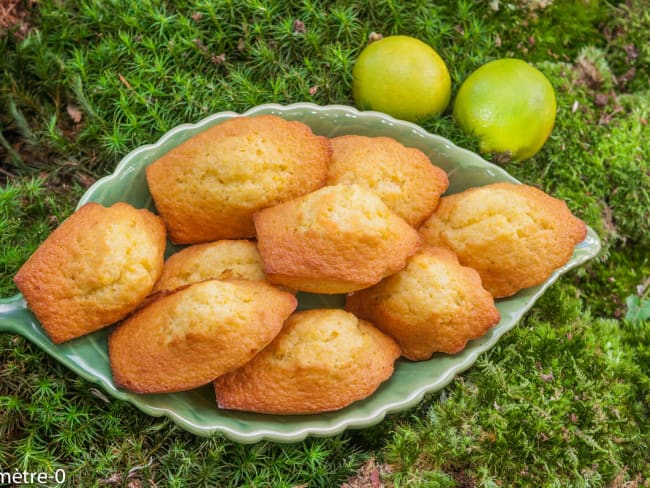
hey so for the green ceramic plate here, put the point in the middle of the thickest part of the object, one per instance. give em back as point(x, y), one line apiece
point(196, 410)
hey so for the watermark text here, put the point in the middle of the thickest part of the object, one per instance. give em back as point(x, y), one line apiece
point(32, 478)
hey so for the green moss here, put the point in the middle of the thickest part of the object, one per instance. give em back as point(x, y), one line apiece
point(624, 151)
point(561, 401)
point(29, 211)
point(539, 30)
point(627, 47)
point(135, 70)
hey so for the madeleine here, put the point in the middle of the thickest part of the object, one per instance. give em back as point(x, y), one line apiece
point(323, 360)
point(93, 270)
point(209, 187)
point(514, 235)
point(403, 177)
point(337, 239)
point(432, 305)
point(190, 337)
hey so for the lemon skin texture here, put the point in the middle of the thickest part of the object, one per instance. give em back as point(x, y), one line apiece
point(403, 77)
point(509, 105)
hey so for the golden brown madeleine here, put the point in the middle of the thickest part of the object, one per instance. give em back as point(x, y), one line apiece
point(188, 338)
point(403, 177)
point(322, 360)
point(432, 305)
point(220, 260)
point(208, 188)
point(335, 240)
point(93, 270)
point(514, 235)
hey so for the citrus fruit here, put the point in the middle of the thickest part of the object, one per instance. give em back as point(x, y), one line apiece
point(509, 105)
point(403, 77)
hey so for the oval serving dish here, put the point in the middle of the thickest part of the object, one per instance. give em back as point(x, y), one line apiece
point(196, 410)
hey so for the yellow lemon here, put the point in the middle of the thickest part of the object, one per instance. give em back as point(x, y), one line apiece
point(509, 105)
point(403, 77)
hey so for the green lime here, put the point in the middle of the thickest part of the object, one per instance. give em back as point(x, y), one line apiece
point(403, 77)
point(509, 105)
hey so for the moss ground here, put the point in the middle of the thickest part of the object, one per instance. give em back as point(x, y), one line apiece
point(562, 400)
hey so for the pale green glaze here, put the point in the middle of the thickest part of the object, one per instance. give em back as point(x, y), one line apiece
point(196, 411)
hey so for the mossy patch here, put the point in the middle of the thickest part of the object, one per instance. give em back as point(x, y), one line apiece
point(562, 400)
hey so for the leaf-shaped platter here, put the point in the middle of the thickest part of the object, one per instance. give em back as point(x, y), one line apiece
point(196, 410)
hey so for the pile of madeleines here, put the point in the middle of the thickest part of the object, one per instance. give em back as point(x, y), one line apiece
point(266, 208)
